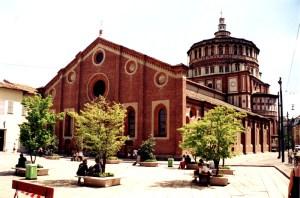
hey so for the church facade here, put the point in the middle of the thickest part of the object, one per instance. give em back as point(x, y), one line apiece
point(160, 98)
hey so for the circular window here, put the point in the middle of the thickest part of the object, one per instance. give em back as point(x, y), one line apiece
point(52, 92)
point(99, 57)
point(71, 77)
point(232, 84)
point(99, 88)
point(160, 79)
point(130, 67)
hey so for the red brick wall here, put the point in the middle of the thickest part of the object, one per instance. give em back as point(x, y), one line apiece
point(137, 88)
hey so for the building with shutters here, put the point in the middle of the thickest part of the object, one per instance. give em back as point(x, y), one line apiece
point(12, 114)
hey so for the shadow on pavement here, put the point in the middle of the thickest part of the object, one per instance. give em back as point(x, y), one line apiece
point(7, 173)
point(58, 183)
point(178, 184)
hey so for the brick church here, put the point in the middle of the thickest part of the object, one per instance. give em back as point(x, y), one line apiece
point(160, 98)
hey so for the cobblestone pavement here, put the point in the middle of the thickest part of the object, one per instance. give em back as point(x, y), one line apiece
point(162, 181)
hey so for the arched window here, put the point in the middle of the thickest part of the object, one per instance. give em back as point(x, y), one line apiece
point(235, 50)
point(226, 49)
point(241, 50)
point(220, 50)
point(212, 50)
point(130, 125)
point(196, 54)
point(193, 112)
point(237, 67)
point(226, 68)
point(68, 126)
point(162, 120)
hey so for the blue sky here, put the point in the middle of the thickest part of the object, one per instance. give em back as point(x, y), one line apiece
point(38, 37)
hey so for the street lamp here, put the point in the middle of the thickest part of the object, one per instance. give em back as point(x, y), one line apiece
point(278, 129)
point(288, 131)
point(281, 119)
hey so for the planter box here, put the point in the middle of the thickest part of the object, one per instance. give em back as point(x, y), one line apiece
point(224, 171)
point(101, 181)
point(192, 166)
point(218, 181)
point(149, 164)
point(53, 157)
point(40, 171)
point(113, 161)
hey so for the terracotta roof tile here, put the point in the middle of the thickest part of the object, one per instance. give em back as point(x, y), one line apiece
point(15, 86)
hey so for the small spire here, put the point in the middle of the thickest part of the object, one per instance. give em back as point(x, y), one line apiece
point(222, 25)
point(100, 32)
point(101, 29)
point(222, 32)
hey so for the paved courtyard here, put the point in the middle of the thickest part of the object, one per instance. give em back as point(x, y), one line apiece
point(248, 181)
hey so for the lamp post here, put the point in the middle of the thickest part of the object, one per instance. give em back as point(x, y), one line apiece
point(281, 119)
point(288, 130)
point(278, 129)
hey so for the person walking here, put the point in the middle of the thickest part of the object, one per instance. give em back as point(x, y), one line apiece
point(294, 185)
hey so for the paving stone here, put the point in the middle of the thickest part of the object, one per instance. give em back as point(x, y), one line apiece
point(161, 181)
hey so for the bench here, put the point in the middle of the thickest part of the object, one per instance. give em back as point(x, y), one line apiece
point(32, 189)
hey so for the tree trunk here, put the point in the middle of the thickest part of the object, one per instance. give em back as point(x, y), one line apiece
point(216, 162)
point(31, 157)
point(103, 164)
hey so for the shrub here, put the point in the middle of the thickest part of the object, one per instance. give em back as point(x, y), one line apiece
point(39, 166)
point(147, 149)
point(107, 174)
point(150, 160)
point(112, 158)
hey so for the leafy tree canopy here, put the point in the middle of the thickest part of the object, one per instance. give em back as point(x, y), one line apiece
point(38, 131)
point(213, 136)
point(99, 128)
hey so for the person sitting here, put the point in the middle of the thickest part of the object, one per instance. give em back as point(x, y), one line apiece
point(40, 151)
point(182, 163)
point(74, 156)
point(95, 170)
point(22, 161)
point(294, 184)
point(202, 172)
point(187, 159)
point(82, 170)
point(80, 156)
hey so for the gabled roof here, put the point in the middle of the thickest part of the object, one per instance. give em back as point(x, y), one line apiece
point(9, 85)
point(143, 57)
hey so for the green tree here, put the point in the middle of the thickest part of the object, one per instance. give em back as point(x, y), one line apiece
point(99, 128)
point(213, 136)
point(38, 131)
